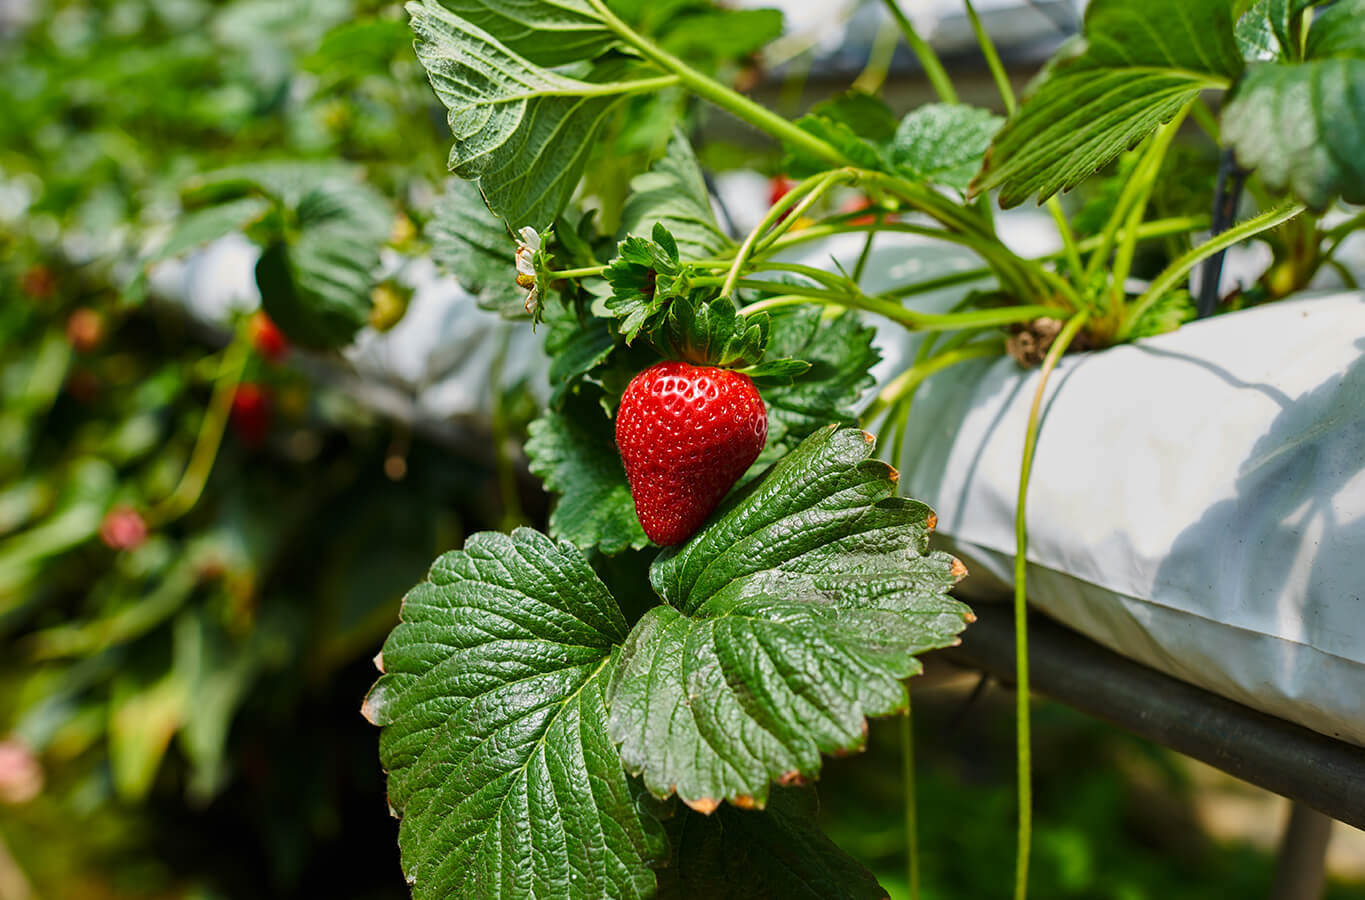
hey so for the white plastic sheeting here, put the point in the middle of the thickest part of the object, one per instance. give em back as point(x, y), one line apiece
point(1197, 500)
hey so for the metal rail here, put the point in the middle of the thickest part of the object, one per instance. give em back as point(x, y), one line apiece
point(1320, 772)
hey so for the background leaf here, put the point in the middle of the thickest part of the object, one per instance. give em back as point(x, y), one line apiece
point(494, 729)
point(1141, 64)
point(791, 617)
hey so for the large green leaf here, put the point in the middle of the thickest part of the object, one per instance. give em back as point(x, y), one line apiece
point(547, 32)
point(523, 131)
point(673, 193)
point(791, 617)
point(474, 245)
point(495, 735)
point(573, 450)
point(778, 853)
point(1301, 126)
point(1141, 64)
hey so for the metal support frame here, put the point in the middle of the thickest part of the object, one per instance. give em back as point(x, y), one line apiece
point(1314, 770)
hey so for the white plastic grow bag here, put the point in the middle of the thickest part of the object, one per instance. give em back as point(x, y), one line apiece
point(1197, 500)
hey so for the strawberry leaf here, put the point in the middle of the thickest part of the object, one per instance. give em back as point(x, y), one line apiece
point(546, 32)
point(789, 618)
point(778, 853)
point(858, 125)
point(841, 356)
point(494, 735)
point(1141, 64)
point(316, 281)
point(943, 143)
point(573, 450)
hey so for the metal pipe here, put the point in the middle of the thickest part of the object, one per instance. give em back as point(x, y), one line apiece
point(1320, 772)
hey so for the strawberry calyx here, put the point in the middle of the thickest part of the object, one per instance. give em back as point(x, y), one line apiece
point(713, 333)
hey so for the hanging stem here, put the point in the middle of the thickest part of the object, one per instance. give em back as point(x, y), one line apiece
point(1182, 265)
point(815, 186)
point(1025, 742)
point(191, 486)
point(908, 782)
point(906, 382)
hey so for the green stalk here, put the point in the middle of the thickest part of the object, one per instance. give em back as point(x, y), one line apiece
point(823, 187)
point(908, 780)
point(912, 320)
point(1006, 91)
point(1157, 228)
point(907, 381)
point(586, 272)
point(1025, 742)
point(709, 89)
point(873, 75)
point(815, 184)
point(983, 40)
point(1347, 278)
point(191, 486)
point(943, 281)
point(860, 266)
point(928, 59)
point(1206, 119)
point(1181, 266)
point(1146, 170)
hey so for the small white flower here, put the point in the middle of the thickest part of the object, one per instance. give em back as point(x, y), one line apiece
point(527, 248)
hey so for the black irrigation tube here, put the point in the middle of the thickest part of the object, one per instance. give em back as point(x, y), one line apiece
point(1318, 771)
point(1226, 196)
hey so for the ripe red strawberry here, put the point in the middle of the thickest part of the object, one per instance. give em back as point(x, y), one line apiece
point(251, 413)
point(686, 433)
point(266, 337)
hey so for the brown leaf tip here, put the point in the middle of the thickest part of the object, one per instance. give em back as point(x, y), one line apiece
point(958, 570)
point(379, 661)
point(932, 522)
point(703, 805)
point(869, 437)
point(744, 801)
point(792, 778)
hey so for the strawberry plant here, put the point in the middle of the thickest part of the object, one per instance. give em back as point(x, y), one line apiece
point(547, 733)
